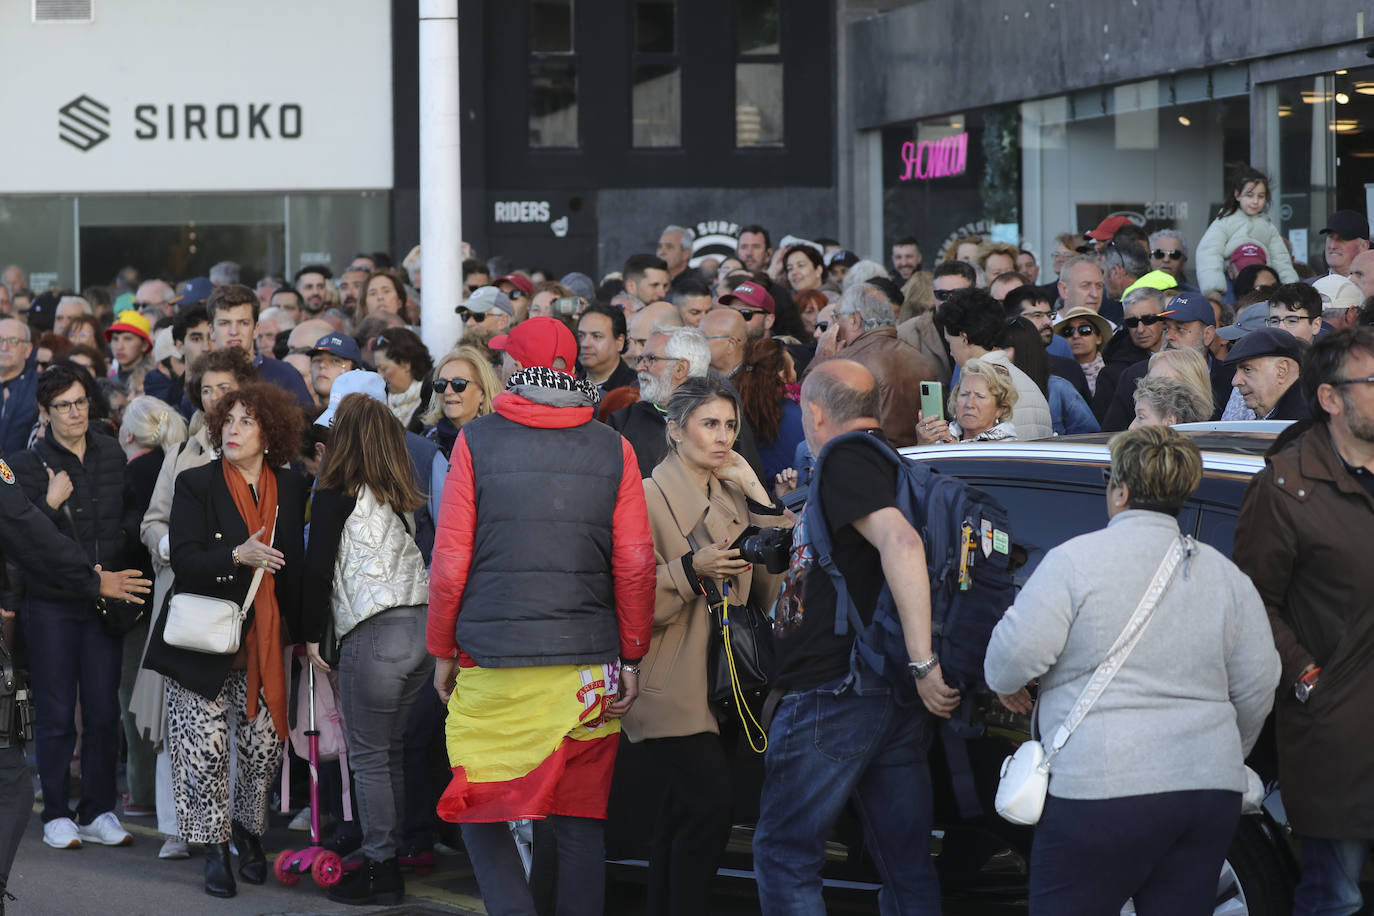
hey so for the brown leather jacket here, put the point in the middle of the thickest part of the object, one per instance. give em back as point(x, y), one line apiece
point(899, 368)
point(1303, 537)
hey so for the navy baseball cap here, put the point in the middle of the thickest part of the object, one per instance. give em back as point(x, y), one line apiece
point(193, 291)
point(1265, 342)
point(1190, 307)
point(1348, 224)
point(340, 345)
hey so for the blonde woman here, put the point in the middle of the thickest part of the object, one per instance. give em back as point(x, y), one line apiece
point(151, 430)
point(1161, 401)
point(981, 405)
point(464, 385)
point(1189, 367)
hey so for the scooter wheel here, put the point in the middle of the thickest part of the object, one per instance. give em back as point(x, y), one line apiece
point(281, 867)
point(328, 869)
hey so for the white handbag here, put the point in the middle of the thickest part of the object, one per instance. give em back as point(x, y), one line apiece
point(1025, 779)
point(211, 625)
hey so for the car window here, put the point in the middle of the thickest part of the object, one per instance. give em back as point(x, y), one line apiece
point(1218, 529)
point(1044, 516)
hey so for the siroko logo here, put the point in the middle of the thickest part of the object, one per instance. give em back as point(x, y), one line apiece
point(84, 123)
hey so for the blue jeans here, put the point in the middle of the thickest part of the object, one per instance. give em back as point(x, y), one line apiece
point(71, 655)
point(383, 666)
point(825, 746)
point(1330, 883)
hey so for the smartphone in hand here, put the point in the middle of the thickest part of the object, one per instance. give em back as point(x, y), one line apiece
point(932, 400)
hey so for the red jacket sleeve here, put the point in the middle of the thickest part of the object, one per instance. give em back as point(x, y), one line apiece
point(632, 561)
point(452, 558)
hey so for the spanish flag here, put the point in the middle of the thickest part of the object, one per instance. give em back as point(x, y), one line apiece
point(530, 742)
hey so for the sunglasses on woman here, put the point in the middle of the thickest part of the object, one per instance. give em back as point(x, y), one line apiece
point(1082, 330)
point(459, 385)
point(1147, 320)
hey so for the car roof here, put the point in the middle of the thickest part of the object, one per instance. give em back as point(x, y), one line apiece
point(1222, 451)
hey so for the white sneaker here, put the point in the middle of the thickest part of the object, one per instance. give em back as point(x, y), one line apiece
point(174, 847)
point(106, 831)
point(62, 833)
point(301, 821)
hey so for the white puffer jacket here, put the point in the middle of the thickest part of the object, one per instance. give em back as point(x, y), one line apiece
point(379, 567)
point(1227, 234)
point(1031, 415)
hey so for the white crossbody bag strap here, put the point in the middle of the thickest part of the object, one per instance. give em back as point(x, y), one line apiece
point(1121, 649)
point(257, 576)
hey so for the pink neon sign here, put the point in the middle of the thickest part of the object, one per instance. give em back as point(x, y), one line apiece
point(935, 158)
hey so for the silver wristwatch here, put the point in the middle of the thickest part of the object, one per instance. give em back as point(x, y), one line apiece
point(921, 669)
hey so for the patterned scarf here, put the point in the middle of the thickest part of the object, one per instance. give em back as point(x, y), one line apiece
point(543, 377)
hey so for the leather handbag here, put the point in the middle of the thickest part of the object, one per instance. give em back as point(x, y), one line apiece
point(203, 623)
point(739, 659)
point(1025, 777)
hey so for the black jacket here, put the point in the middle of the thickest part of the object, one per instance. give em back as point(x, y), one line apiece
point(29, 540)
point(645, 427)
point(1291, 406)
point(205, 528)
point(1118, 355)
point(92, 516)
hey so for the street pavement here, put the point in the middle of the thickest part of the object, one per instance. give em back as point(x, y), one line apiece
point(133, 881)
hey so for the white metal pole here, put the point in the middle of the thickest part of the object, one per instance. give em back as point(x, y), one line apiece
point(440, 176)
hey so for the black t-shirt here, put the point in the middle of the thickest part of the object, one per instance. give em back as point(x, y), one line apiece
point(855, 482)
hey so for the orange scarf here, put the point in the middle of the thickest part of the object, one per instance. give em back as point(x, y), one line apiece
point(263, 639)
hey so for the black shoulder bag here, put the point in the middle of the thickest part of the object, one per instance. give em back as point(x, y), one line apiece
point(739, 658)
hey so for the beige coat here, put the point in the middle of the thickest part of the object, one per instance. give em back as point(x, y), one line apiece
point(146, 702)
point(672, 697)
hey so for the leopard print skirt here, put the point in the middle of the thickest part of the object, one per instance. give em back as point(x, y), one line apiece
point(199, 735)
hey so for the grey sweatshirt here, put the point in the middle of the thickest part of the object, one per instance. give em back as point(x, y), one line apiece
point(1187, 705)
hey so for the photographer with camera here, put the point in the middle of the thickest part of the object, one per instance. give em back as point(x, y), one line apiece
point(703, 500)
point(840, 732)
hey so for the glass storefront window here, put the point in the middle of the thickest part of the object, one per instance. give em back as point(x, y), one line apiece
point(948, 177)
point(758, 74)
point(1156, 151)
point(552, 75)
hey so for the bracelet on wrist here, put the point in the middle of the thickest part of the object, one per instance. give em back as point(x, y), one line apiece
point(626, 668)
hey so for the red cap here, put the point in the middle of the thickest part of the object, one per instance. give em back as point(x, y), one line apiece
point(1247, 254)
point(749, 294)
point(519, 281)
point(1107, 228)
point(537, 342)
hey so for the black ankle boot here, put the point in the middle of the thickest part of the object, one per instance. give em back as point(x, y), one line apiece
point(219, 878)
point(375, 883)
point(252, 860)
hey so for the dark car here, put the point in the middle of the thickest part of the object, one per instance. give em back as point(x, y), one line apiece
point(1053, 491)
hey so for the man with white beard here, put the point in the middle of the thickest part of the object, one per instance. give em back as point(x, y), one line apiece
point(670, 357)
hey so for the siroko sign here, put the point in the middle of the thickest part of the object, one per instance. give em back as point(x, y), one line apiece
point(283, 119)
point(934, 158)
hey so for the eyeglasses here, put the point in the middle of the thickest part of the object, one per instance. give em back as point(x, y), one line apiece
point(1286, 321)
point(466, 313)
point(9, 343)
point(942, 294)
point(1082, 330)
point(649, 358)
point(1353, 381)
point(459, 385)
point(1173, 254)
point(77, 406)
point(748, 314)
point(1147, 320)
point(1107, 476)
point(147, 305)
point(1087, 248)
point(822, 326)
point(514, 294)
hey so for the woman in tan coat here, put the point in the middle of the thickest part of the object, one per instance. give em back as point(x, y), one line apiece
point(705, 490)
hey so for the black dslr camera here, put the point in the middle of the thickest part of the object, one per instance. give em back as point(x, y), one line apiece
point(770, 546)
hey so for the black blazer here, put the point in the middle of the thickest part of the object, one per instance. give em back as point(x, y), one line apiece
point(205, 528)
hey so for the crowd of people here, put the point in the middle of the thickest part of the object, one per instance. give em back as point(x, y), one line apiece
point(544, 521)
